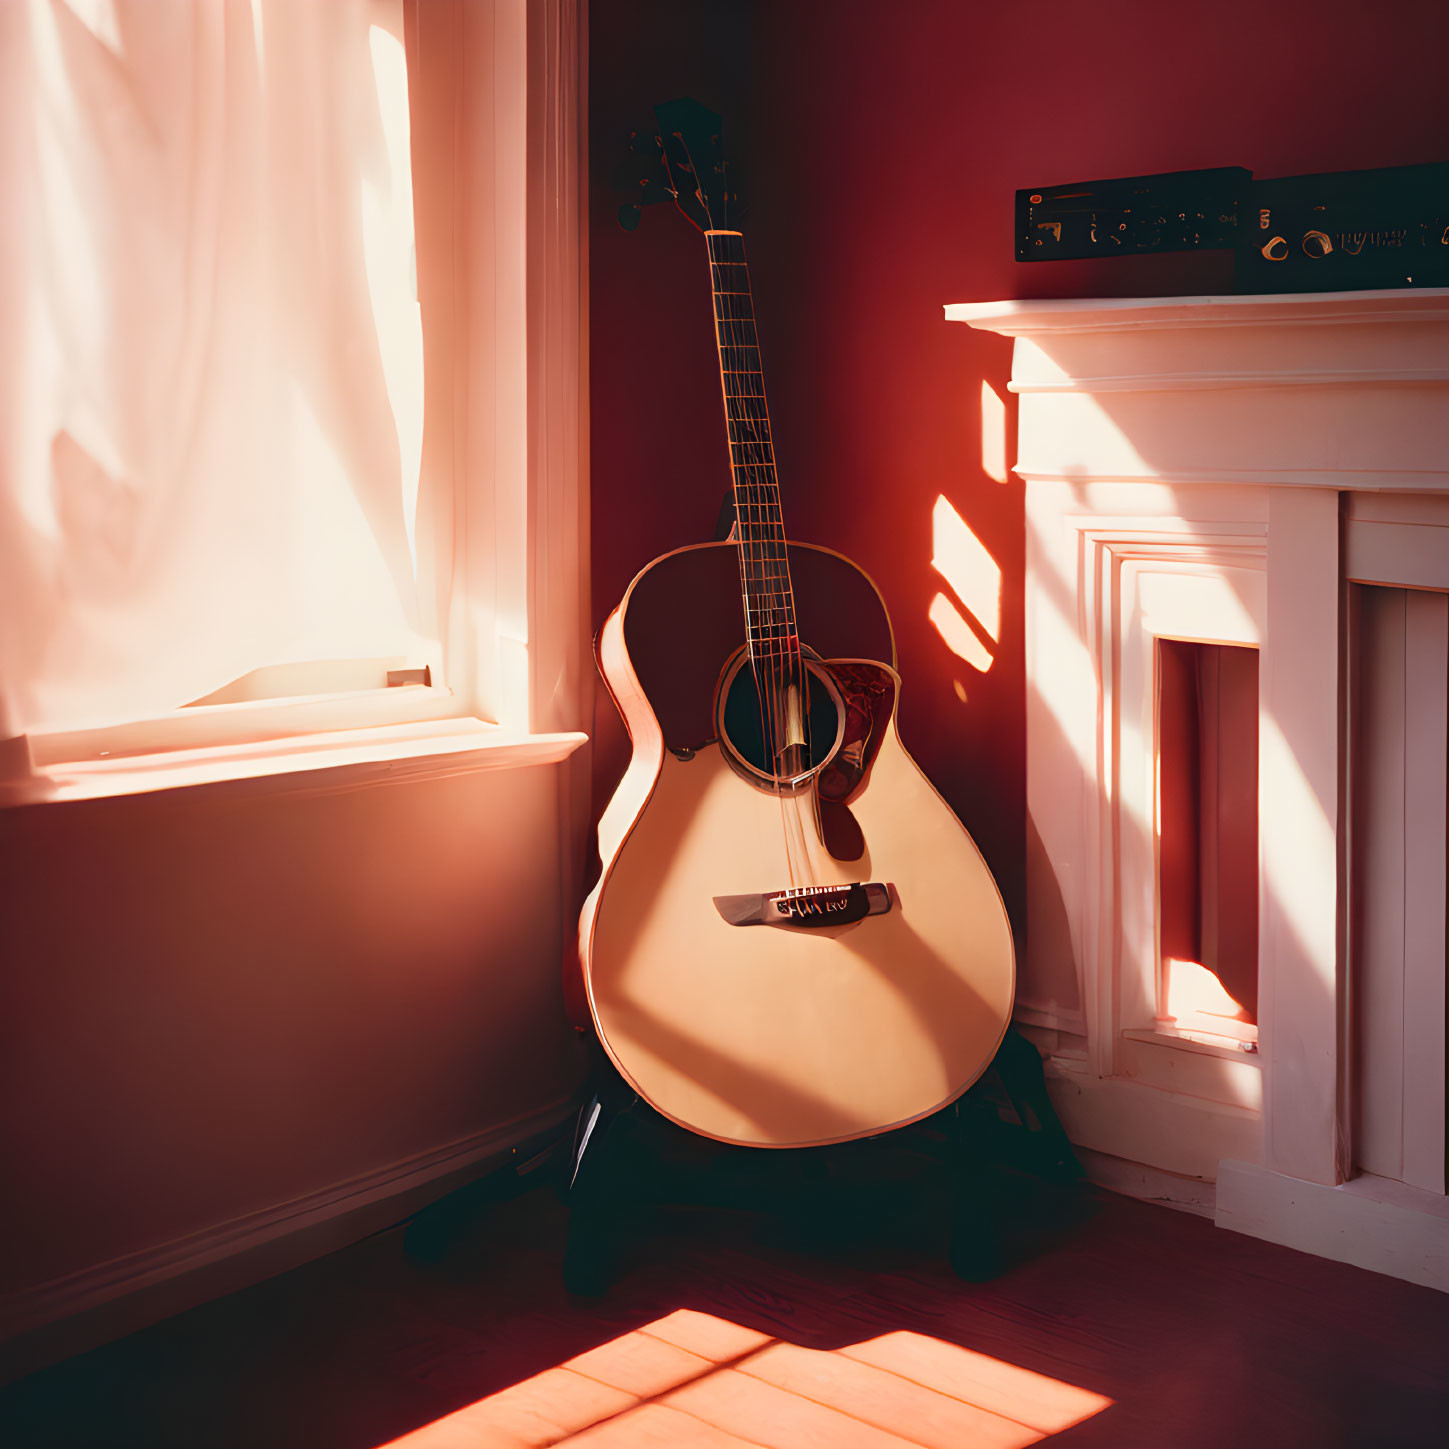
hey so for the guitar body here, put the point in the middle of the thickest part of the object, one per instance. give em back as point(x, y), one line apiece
point(790, 1032)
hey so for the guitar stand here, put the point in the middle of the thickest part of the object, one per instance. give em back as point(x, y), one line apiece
point(1005, 1120)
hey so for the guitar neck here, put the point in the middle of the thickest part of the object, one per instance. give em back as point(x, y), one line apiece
point(760, 530)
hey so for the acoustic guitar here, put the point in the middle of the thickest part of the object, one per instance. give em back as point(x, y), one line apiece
point(793, 941)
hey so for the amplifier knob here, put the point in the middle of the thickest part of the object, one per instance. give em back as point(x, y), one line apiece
point(1276, 250)
point(1317, 244)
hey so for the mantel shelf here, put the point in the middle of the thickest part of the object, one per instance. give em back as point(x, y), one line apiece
point(1120, 314)
point(1339, 390)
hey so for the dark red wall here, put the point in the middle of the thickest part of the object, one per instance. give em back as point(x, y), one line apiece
point(880, 145)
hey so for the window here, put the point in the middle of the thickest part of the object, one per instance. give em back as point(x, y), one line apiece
point(233, 512)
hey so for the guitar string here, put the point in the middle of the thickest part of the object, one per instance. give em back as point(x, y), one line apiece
point(785, 667)
point(768, 622)
point(765, 621)
point(744, 544)
point(782, 633)
point(773, 639)
point(729, 332)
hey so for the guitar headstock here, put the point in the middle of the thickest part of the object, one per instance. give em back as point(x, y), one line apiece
point(681, 160)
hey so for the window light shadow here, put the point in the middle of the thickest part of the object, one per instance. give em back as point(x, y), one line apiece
point(971, 626)
point(691, 1378)
point(993, 434)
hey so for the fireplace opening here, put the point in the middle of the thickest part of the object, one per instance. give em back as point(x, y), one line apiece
point(1207, 838)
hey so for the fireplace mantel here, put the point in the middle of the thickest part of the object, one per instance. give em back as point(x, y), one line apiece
point(1268, 474)
point(1097, 314)
point(1347, 388)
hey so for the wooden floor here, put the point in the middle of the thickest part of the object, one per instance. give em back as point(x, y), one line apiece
point(1119, 1324)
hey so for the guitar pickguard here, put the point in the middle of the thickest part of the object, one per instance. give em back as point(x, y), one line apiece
point(869, 692)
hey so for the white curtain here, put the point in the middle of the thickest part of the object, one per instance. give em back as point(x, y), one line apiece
point(210, 349)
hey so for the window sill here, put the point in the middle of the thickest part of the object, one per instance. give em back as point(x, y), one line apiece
point(1198, 1039)
point(309, 764)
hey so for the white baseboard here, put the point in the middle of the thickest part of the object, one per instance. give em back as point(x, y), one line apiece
point(69, 1315)
point(1148, 1184)
point(1369, 1221)
point(1184, 1135)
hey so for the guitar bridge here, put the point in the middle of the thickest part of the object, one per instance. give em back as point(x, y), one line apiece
point(808, 907)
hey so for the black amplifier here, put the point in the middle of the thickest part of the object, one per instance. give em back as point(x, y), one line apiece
point(1347, 229)
point(1338, 231)
point(1176, 211)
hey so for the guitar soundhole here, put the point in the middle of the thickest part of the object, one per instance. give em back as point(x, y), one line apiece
point(744, 728)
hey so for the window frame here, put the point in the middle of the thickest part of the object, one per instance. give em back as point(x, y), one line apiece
point(499, 125)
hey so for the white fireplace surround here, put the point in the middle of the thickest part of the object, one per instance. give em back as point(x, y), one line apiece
point(1270, 472)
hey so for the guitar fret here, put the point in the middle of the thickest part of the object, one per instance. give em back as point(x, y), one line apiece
point(769, 603)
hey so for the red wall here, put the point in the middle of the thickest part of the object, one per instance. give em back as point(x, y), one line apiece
point(880, 146)
point(233, 1014)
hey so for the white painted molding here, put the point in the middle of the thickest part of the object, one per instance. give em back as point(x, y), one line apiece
point(518, 635)
point(1219, 469)
point(1048, 1018)
point(1149, 1184)
point(1372, 1222)
point(561, 667)
point(1345, 390)
point(1178, 382)
point(1125, 314)
point(1141, 1123)
point(1302, 843)
point(1368, 480)
point(561, 676)
point(71, 1314)
point(312, 764)
point(1401, 555)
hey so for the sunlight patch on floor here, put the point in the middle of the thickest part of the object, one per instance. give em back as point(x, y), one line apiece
point(693, 1379)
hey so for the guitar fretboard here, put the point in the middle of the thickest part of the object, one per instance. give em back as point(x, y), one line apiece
point(760, 530)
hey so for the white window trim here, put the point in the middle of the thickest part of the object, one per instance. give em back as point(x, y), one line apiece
point(516, 655)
